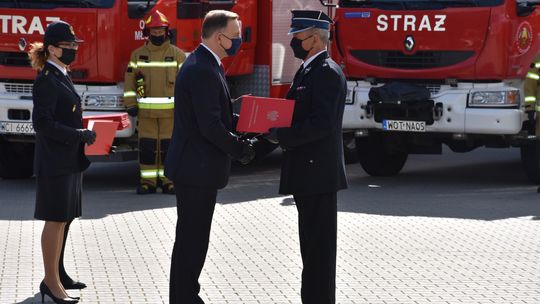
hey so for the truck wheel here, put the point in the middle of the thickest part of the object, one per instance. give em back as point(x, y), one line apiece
point(16, 160)
point(530, 160)
point(377, 157)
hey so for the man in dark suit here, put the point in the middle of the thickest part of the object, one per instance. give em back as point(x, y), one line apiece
point(199, 157)
point(313, 168)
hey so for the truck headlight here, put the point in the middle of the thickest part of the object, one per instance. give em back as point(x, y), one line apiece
point(495, 99)
point(104, 102)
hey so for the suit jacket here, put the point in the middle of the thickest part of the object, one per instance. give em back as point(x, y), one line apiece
point(56, 116)
point(202, 144)
point(313, 145)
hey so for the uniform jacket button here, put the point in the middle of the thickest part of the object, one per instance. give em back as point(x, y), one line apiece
point(311, 161)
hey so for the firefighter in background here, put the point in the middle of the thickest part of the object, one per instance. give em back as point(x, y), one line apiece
point(532, 95)
point(148, 94)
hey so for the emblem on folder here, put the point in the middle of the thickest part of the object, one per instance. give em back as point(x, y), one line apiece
point(272, 115)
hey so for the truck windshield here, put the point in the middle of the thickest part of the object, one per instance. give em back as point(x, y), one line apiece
point(417, 4)
point(49, 4)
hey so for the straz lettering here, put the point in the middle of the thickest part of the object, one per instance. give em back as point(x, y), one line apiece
point(411, 23)
point(23, 25)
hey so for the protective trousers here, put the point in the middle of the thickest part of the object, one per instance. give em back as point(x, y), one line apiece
point(154, 138)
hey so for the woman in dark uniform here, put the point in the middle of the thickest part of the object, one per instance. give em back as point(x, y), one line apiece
point(59, 155)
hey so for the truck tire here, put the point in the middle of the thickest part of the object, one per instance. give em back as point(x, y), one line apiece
point(16, 159)
point(377, 157)
point(530, 160)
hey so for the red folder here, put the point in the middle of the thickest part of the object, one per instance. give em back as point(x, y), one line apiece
point(105, 132)
point(121, 118)
point(259, 114)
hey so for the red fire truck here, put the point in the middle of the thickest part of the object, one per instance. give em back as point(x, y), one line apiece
point(472, 55)
point(111, 29)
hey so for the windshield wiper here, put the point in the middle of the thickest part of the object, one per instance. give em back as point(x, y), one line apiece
point(472, 2)
point(403, 4)
point(83, 3)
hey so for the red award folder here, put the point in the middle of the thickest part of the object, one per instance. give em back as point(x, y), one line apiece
point(259, 114)
point(105, 132)
point(121, 118)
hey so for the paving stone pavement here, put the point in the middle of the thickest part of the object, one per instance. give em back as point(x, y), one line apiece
point(121, 247)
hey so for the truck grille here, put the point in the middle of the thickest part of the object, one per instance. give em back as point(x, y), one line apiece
point(433, 88)
point(419, 60)
point(14, 59)
point(19, 88)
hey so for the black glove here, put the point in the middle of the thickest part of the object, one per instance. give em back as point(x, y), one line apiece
point(272, 136)
point(87, 136)
point(133, 111)
point(248, 153)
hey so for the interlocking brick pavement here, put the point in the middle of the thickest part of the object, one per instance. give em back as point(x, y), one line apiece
point(461, 241)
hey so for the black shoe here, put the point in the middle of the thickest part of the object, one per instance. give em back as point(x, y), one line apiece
point(538, 190)
point(44, 290)
point(146, 189)
point(168, 189)
point(70, 284)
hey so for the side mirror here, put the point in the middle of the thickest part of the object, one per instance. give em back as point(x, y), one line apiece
point(524, 9)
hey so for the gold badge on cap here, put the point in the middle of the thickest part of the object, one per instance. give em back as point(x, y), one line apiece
point(74, 108)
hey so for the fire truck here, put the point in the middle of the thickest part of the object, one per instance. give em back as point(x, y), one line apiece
point(111, 29)
point(471, 55)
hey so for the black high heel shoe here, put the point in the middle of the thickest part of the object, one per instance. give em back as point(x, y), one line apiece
point(44, 290)
point(70, 284)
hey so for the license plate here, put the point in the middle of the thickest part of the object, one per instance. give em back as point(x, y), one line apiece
point(16, 127)
point(404, 125)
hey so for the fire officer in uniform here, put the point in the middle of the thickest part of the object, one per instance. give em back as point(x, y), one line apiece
point(313, 169)
point(149, 90)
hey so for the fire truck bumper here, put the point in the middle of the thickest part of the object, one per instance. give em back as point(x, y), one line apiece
point(16, 111)
point(496, 110)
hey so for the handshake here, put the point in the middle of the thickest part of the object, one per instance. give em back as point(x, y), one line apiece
point(248, 152)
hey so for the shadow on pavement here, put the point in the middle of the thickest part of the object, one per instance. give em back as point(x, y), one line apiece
point(481, 191)
point(35, 299)
point(483, 185)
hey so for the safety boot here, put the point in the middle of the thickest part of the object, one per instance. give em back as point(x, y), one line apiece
point(168, 189)
point(146, 189)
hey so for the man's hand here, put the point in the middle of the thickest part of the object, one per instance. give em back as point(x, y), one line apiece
point(272, 136)
point(248, 153)
point(87, 136)
point(133, 111)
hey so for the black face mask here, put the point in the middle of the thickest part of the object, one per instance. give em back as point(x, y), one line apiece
point(296, 45)
point(68, 56)
point(157, 40)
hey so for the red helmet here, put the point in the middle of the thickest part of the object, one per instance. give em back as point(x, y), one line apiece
point(156, 19)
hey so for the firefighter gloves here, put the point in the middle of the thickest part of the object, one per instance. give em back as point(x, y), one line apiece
point(139, 83)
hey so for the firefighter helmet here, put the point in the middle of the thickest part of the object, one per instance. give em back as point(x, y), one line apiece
point(156, 19)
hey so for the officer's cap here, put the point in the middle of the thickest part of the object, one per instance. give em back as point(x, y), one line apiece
point(303, 20)
point(59, 31)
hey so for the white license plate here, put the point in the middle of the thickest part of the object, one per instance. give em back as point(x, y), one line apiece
point(16, 127)
point(403, 125)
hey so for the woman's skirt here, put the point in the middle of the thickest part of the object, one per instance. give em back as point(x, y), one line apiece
point(58, 198)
